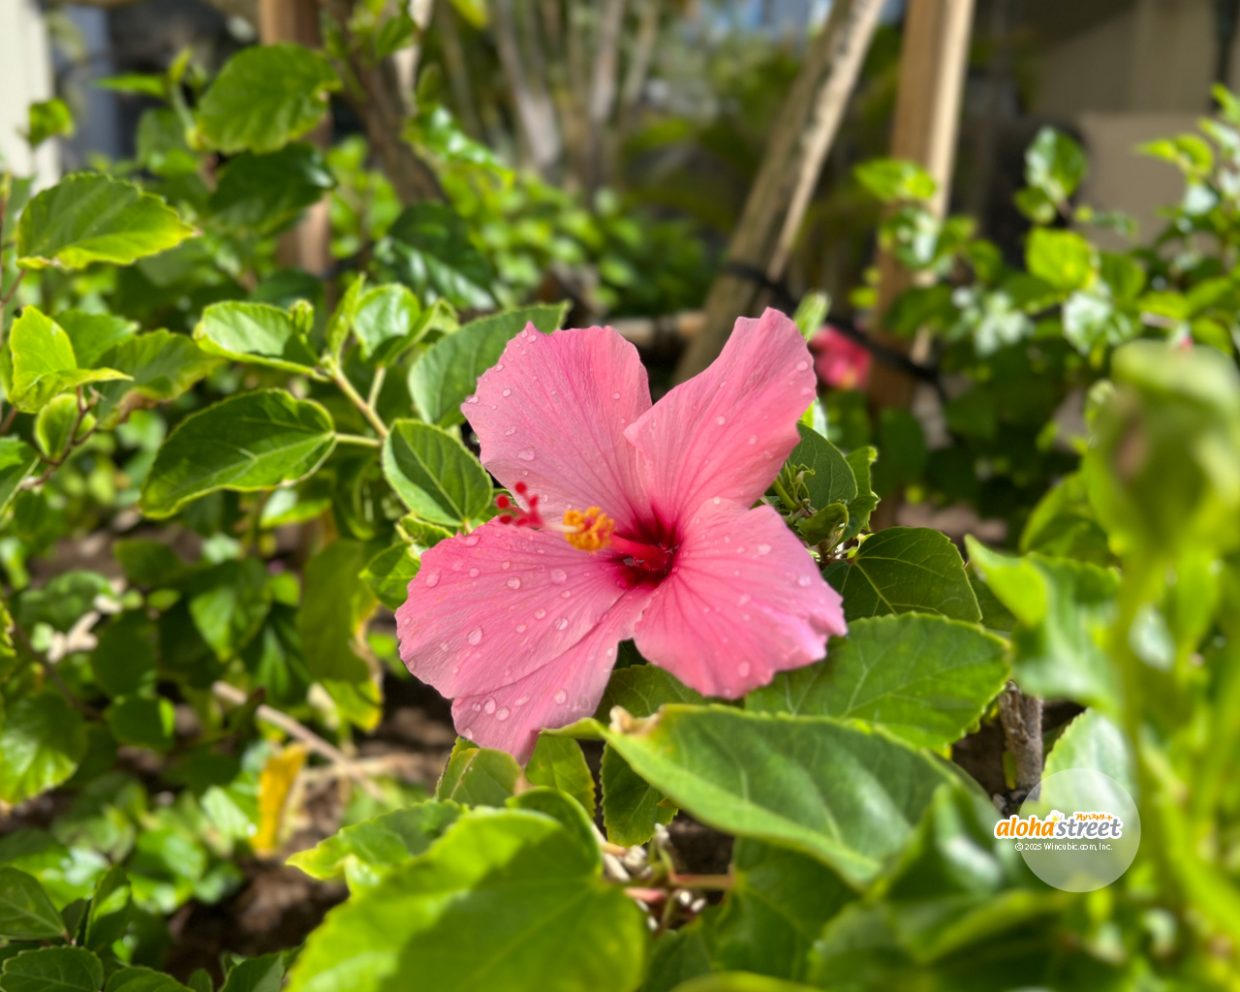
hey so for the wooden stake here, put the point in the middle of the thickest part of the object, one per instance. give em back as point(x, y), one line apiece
point(308, 245)
point(933, 62)
point(795, 151)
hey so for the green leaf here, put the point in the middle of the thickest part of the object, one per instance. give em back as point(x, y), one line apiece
point(109, 912)
point(478, 776)
point(1093, 741)
point(1061, 608)
point(264, 97)
point(142, 980)
point(557, 763)
point(774, 911)
point(956, 886)
point(334, 606)
point(363, 853)
point(262, 193)
point(52, 969)
point(142, 722)
point(26, 913)
point(631, 806)
point(389, 319)
point(890, 179)
point(448, 372)
point(924, 679)
point(54, 425)
point(89, 218)
point(846, 796)
point(428, 248)
point(1063, 259)
point(832, 479)
point(228, 603)
point(261, 974)
point(62, 601)
point(904, 569)
point(552, 925)
point(123, 662)
point(43, 363)
point(1054, 165)
point(249, 442)
point(48, 119)
point(255, 333)
point(161, 366)
point(434, 475)
point(1063, 525)
point(17, 462)
point(389, 573)
point(740, 981)
point(41, 742)
point(863, 504)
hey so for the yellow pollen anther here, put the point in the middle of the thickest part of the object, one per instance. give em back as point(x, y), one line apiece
point(589, 530)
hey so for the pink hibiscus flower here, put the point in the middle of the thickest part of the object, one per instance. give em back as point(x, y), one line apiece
point(627, 520)
point(841, 362)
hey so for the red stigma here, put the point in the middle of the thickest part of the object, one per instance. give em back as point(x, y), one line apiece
point(511, 512)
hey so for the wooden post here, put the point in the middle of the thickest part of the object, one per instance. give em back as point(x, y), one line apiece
point(795, 151)
point(308, 245)
point(933, 62)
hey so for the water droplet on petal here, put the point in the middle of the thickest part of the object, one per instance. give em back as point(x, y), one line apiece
point(559, 576)
point(764, 549)
point(743, 669)
point(514, 583)
point(561, 623)
point(506, 392)
point(804, 581)
point(522, 628)
point(489, 706)
point(470, 540)
point(526, 454)
point(505, 565)
point(753, 439)
point(561, 697)
point(472, 399)
point(473, 573)
point(521, 700)
point(566, 594)
point(432, 579)
point(502, 713)
point(510, 432)
point(539, 614)
point(721, 421)
point(615, 396)
point(716, 501)
point(745, 598)
point(475, 636)
point(802, 366)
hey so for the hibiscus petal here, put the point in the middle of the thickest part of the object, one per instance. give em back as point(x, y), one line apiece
point(727, 431)
point(552, 413)
point(565, 689)
point(744, 600)
point(489, 608)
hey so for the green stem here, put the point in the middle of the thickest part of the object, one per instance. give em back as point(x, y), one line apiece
point(358, 439)
point(367, 411)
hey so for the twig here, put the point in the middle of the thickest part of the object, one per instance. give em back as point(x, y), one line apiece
point(359, 439)
point(367, 411)
point(1021, 717)
point(376, 384)
point(298, 730)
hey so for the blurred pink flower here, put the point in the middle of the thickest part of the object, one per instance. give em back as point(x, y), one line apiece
point(627, 520)
point(840, 361)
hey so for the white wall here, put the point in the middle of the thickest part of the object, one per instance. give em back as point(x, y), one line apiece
point(25, 76)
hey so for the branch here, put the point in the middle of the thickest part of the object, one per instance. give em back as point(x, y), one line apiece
point(377, 98)
point(299, 731)
point(793, 159)
point(1021, 717)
